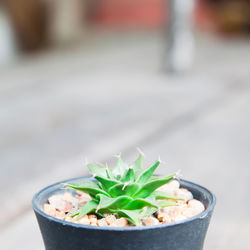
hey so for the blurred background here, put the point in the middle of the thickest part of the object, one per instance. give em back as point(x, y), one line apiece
point(92, 78)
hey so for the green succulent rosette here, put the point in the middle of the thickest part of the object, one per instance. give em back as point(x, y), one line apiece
point(129, 191)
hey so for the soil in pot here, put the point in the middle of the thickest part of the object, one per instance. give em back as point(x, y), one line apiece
point(63, 206)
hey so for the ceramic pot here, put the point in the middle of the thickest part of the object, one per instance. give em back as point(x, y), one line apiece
point(188, 234)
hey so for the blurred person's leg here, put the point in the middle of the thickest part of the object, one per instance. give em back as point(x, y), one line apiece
point(29, 21)
point(66, 19)
point(180, 36)
point(7, 39)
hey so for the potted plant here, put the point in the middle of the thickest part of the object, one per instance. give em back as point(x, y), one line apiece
point(126, 207)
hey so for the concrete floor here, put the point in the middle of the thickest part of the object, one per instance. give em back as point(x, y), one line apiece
point(109, 96)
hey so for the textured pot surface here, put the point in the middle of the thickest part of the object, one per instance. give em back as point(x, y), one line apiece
point(185, 235)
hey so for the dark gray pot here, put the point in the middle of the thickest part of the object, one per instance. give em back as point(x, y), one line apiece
point(185, 235)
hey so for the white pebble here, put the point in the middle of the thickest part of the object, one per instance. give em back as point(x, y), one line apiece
point(110, 219)
point(184, 194)
point(84, 220)
point(102, 222)
point(170, 187)
point(189, 212)
point(197, 205)
point(163, 217)
point(49, 209)
point(69, 198)
point(93, 219)
point(83, 199)
point(172, 211)
point(150, 221)
point(121, 222)
point(179, 217)
point(59, 203)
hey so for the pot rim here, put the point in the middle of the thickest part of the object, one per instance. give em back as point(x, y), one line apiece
point(56, 186)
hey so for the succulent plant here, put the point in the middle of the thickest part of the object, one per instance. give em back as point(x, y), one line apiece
point(129, 191)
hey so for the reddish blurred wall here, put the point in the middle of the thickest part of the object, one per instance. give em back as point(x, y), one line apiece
point(129, 13)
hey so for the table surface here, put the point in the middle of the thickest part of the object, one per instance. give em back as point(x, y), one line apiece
point(110, 95)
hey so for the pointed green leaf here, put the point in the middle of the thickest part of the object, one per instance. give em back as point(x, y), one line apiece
point(120, 168)
point(97, 170)
point(137, 164)
point(108, 173)
point(88, 187)
point(131, 215)
point(155, 177)
point(148, 211)
point(162, 195)
point(139, 204)
point(73, 212)
point(145, 175)
point(151, 186)
point(123, 189)
point(112, 203)
point(167, 203)
point(87, 208)
point(128, 176)
point(106, 183)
